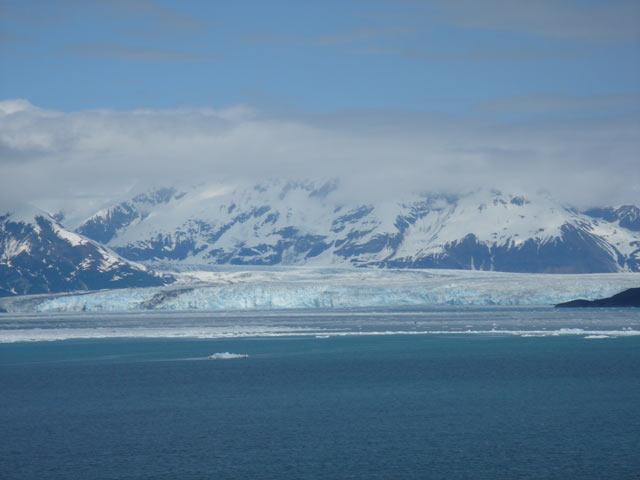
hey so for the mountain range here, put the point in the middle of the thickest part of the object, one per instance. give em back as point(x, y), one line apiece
point(310, 223)
point(38, 255)
point(307, 223)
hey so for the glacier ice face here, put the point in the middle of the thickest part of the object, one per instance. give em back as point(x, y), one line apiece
point(319, 288)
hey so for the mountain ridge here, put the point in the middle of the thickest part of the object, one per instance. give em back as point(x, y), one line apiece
point(301, 223)
point(38, 255)
point(626, 298)
point(311, 224)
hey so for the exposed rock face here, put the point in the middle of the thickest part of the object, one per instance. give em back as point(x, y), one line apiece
point(312, 224)
point(37, 255)
point(626, 216)
point(306, 223)
point(628, 298)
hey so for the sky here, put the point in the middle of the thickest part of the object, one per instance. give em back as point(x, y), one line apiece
point(101, 96)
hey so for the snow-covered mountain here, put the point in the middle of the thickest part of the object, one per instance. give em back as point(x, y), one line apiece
point(37, 255)
point(625, 216)
point(316, 224)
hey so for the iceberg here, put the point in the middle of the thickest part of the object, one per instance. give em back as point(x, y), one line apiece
point(227, 356)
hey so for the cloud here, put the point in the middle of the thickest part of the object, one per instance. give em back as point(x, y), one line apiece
point(88, 156)
point(608, 22)
point(161, 15)
point(37, 13)
point(361, 35)
point(122, 52)
point(563, 104)
point(473, 54)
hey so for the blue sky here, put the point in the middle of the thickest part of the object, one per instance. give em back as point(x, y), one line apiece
point(504, 90)
point(426, 56)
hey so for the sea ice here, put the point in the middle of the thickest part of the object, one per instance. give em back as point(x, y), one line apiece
point(227, 356)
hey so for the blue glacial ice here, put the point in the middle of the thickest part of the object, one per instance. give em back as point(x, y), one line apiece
point(307, 288)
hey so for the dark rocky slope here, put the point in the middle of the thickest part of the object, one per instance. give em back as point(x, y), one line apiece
point(628, 298)
point(37, 255)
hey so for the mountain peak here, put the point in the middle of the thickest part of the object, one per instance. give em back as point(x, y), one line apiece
point(312, 223)
point(38, 255)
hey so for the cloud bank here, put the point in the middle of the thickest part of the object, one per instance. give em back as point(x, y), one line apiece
point(90, 156)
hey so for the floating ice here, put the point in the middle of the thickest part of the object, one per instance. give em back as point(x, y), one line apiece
point(227, 356)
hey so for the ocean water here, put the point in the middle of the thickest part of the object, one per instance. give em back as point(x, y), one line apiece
point(494, 393)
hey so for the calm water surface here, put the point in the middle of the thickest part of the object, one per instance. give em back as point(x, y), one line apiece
point(459, 406)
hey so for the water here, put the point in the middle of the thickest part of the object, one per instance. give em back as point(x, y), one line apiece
point(300, 405)
point(509, 320)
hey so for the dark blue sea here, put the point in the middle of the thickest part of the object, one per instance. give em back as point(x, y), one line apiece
point(488, 405)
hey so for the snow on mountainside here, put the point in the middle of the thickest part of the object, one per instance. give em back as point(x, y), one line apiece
point(311, 223)
point(37, 255)
point(625, 216)
point(103, 226)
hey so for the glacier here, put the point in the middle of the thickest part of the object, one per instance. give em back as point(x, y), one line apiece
point(259, 289)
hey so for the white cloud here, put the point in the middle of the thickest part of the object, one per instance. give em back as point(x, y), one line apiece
point(8, 107)
point(612, 21)
point(88, 156)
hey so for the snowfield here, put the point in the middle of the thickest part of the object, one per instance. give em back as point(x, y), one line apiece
point(272, 288)
point(316, 224)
